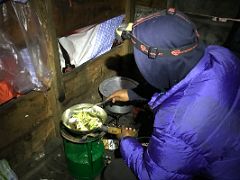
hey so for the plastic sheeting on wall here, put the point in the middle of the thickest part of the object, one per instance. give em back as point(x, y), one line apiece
point(12, 69)
point(23, 63)
point(20, 1)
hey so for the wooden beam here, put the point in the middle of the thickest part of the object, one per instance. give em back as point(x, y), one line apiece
point(78, 14)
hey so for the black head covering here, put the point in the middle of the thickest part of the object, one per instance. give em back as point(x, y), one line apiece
point(167, 32)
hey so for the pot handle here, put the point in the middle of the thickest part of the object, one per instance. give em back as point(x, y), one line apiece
point(111, 130)
point(103, 103)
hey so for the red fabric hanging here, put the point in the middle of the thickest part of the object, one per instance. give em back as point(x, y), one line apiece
point(6, 92)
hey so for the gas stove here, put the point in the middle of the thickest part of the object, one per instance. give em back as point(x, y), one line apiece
point(80, 138)
point(119, 120)
point(138, 118)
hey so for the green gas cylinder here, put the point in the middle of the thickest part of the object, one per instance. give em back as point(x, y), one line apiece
point(85, 160)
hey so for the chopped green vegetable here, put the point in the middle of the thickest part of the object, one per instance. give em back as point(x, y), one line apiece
point(85, 119)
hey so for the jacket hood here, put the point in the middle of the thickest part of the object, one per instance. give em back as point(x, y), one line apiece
point(167, 32)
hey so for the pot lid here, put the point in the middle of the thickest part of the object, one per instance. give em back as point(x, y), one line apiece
point(108, 86)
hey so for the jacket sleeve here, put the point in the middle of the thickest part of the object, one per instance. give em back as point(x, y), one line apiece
point(182, 149)
point(166, 157)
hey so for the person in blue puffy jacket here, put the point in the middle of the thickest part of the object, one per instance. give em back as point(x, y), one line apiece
point(196, 131)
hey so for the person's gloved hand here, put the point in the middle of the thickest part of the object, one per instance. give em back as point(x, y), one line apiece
point(130, 132)
point(119, 95)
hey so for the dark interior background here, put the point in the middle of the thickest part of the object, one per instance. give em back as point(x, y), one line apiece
point(221, 33)
point(201, 13)
point(30, 123)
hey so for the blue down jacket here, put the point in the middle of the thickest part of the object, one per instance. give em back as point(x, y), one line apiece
point(196, 127)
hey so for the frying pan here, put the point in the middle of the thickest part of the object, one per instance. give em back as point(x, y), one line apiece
point(101, 114)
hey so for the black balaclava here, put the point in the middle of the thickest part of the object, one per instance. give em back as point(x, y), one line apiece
point(166, 32)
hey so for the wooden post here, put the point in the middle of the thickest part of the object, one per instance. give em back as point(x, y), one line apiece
point(56, 93)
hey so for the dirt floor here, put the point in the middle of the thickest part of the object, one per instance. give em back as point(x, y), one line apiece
point(50, 165)
point(53, 165)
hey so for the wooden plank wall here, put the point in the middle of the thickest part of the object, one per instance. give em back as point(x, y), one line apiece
point(30, 122)
point(153, 3)
point(81, 85)
point(27, 123)
point(210, 32)
point(77, 14)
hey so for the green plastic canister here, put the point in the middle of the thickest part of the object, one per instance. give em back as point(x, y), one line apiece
point(85, 161)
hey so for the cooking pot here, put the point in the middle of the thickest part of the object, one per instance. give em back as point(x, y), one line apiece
point(98, 112)
point(108, 86)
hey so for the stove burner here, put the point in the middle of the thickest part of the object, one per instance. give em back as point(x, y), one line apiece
point(118, 120)
point(80, 138)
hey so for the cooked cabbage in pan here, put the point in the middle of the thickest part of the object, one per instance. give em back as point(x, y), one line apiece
point(84, 119)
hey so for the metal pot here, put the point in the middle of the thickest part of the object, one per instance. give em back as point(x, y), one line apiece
point(108, 86)
point(102, 115)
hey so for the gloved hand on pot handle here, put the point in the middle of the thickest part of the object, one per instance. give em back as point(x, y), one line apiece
point(119, 95)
